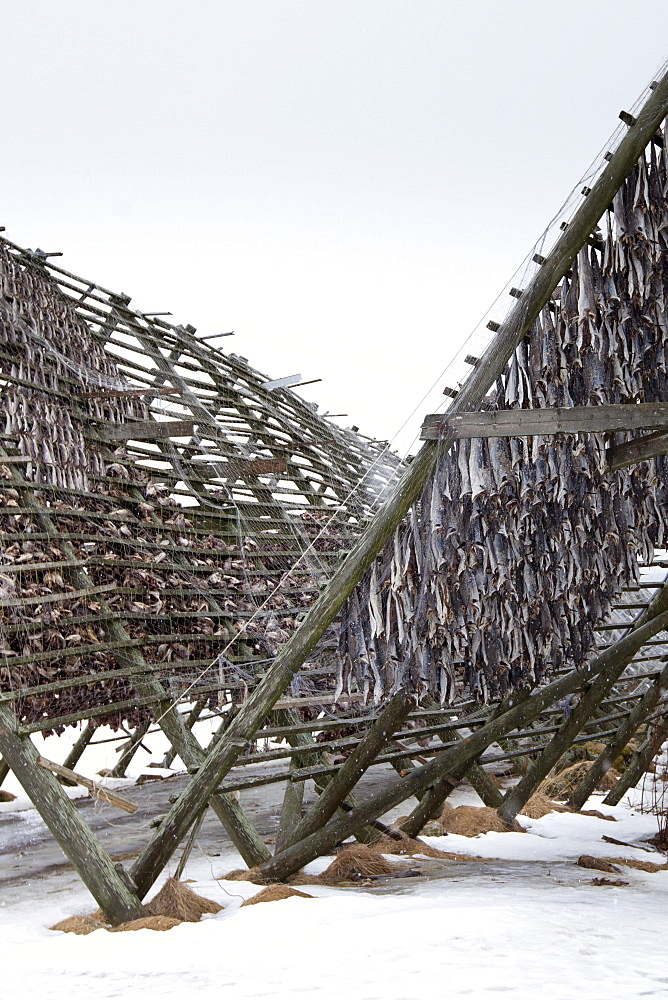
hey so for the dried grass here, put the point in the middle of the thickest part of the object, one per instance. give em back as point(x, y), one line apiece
point(563, 784)
point(597, 814)
point(641, 866)
point(244, 875)
point(408, 846)
point(607, 881)
point(178, 901)
point(157, 922)
point(357, 861)
point(85, 923)
point(469, 821)
point(272, 893)
point(540, 805)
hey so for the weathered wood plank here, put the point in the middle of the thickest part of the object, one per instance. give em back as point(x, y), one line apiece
point(550, 420)
point(109, 886)
point(146, 430)
point(97, 790)
point(639, 450)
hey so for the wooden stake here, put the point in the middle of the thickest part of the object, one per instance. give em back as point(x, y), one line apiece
point(639, 763)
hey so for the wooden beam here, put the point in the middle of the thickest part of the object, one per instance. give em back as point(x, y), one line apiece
point(548, 420)
point(450, 762)
point(362, 757)
point(97, 790)
point(110, 886)
point(639, 450)
point(146, 430)
point(614, 747)
point(639, 762)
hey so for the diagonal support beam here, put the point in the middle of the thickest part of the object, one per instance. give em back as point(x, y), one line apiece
point(562, 740)
point(359, 761)
point(600, 767)
point(110, 886)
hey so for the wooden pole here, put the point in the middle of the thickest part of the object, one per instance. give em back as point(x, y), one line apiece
point(520, 794)
point(78, 748)
point(128, 750)
point(383, 526)
point(431, 802)
point(109, 885)
point(291, 809)
point(561, 741)
point(605, 760)
point(354, 767)
point(639, 763)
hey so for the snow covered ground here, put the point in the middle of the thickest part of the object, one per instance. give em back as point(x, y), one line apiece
point(529, 925)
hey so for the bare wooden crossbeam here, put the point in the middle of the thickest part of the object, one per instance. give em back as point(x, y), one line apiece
point(146, 430)
point(94, 787)
point(550, 420)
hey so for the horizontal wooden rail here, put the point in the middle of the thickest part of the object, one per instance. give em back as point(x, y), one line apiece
point(550, 420)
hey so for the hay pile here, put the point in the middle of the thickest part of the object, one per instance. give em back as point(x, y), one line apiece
point(84, 923)
point(272, 893)
point(158, 922)
point(178, 901)
point(174, 904)
point(355, 862)
point(470, 821)
point(540, 805)
point(563, 784)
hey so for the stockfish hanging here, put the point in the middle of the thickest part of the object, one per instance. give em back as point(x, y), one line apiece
point(517, 547)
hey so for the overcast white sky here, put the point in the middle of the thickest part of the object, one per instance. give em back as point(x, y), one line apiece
point(345, 183)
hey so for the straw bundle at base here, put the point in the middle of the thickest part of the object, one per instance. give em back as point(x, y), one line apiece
point(244, 875)
point(177, 900)
point(275, 892)
point(84, 923)
point(642, 866)
point(561, 785)
point(540, 805)
point(597, 814)
point(469, 821)
point(408, 846)
point(357, 861)
point(157, 922)
point(598, 864)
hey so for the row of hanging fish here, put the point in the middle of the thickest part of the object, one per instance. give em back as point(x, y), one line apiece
point(48, 355)
point(517, 547)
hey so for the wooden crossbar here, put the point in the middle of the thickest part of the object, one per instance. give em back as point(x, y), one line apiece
point(550, 420)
